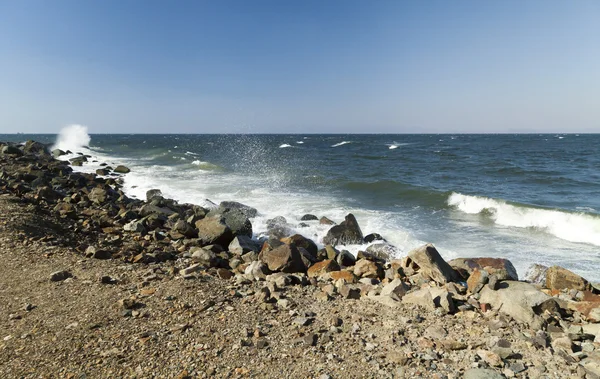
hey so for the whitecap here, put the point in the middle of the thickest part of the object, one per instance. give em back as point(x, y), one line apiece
point(299, 142)
point(284, 145)
point(341, 143)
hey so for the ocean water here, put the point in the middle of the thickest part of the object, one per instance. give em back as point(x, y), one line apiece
point(531, 198)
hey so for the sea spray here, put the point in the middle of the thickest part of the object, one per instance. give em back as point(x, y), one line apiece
point(72, 137)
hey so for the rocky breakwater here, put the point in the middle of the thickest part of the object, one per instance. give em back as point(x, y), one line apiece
point(519, 325)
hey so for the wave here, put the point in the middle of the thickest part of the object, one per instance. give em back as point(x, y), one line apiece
point(72, 137)
point(284, 145)
point(190, 153)
point(398, 192)
point(341, 143)
point(207, 166)
point(299, 142)
point(574, 227)
point(392, 147)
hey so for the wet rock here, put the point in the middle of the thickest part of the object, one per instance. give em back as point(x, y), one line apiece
point(346, 233)
point(122, 169)
point(325, 221)
point(383, 251)
point(98, 195)
point(373, 237)
point(308, 217)
point(285, 258)
point(322, 267)
point(246, 210)
point(11, 150)
point(428, 263)
point(345, 259)
point(57, 153)
point(59, 276)
point(152, 193)
point(502, 268)
point(558, 278)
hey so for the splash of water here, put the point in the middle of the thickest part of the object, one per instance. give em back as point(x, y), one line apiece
point(72, 137)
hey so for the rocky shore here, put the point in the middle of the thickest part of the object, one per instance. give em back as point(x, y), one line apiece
point(96, 284)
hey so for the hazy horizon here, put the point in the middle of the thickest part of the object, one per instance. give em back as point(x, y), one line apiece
point(335, 67)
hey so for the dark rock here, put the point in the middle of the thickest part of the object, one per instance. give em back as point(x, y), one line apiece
point(57, 153)
point(214, 230)
point(78, 161)
point(349, 292)
point(345, 259)
point(98, 195)
point(248, 211)
point(11, 150)
point(502, 268)
point(102, 171)
point(122, 169)
point(308, 217)
point(373, 237)
point(205, 257)
point(185, 229)
point(346, 233)
point(236, 219)
point(152, 193)
point(304, 242)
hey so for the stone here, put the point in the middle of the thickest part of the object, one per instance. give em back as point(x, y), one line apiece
point(502, 268)
point(431, 298)
point(190, 269)
point(257, 270)
point(348, 292)
point(368, 269)
point(558, 278)
point(373, 237)
point(247, 210)
point(383, 251)
point(308, 217)
point(395, 289)
point(11, 150)
point(477, 280)
point(59, 276)
point(536, 274)
point(122, 169)
point(92, 252)
point(429, 264)
point(516, 299)
point(325, 221)
point(242, 245)
point(322, 267)
point(205, 257)
point(185, 229)
point(436, 332)
point(285, 258)
point(490, 358)
point(301, 241)
point(136, 226)
point(345, 259)
point(97, 195)
point(344, 275)
point(346, 233)
point(214, 230)
point(236, 219)
point(57, 153)
point(152, 193)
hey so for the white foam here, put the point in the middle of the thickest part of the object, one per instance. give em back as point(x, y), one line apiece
point(392, 147)
point(284, 145)
point(72, 137)
point(341, 143)
point(574, 227)
point(300, 142)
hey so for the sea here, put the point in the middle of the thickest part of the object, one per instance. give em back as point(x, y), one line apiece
point(530, 198)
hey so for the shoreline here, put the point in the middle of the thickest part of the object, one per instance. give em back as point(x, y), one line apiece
point(184, 245)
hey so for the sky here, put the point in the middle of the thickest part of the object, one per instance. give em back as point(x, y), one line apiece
point(327, 66)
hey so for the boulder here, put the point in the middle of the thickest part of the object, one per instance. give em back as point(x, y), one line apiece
point(395, 289)
point(98, 195)
point(383, 251)
point(345, 259)
point(516, 299)
point(345, 275)
point(248, 211)
point(257, 270)
point(373, 237)
point(78, 161)
point(322, 267)
point(236, 219)
point(205, 257)
point(11, 150)
point(242, 245)
point(308, 217)
point(502, 268)
point(431, 298)
point(120, 169)
point(185, 229)
point(34, 147)
point(477, 280)
point(325, 221)
point(285, 258)
point(304, 242)
point(346, 233)
point(57, 153)
point(368, 269)
point(214, 230)
point(135, 226)
point(558, 278)
point(428, 263)
point(152, 193)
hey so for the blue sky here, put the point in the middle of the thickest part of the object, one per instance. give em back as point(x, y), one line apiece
point(258, 66)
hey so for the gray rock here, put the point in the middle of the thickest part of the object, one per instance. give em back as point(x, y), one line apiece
point(257, 270)
point(516, 299)
point(481, 373)
point(152, 193)
point(136, 226)
point(122, 169)
point(383, 251)
point(246, 210)
point(430, 264)
point(11, 150)
point(214, 230)
point(205, 257)
point(57, 153)
point(395, 289)
point(242, 245)
point(345, 259)
point(536, 274)
point(308, 217)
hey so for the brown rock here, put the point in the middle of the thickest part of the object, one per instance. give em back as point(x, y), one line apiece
point(322, 267)
point(560, 278)
point(301, 241)
point(285, 258)
point(214, 230)
point(368, 269)
point(477, 280)
point(348, 276)
point(502, 268)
